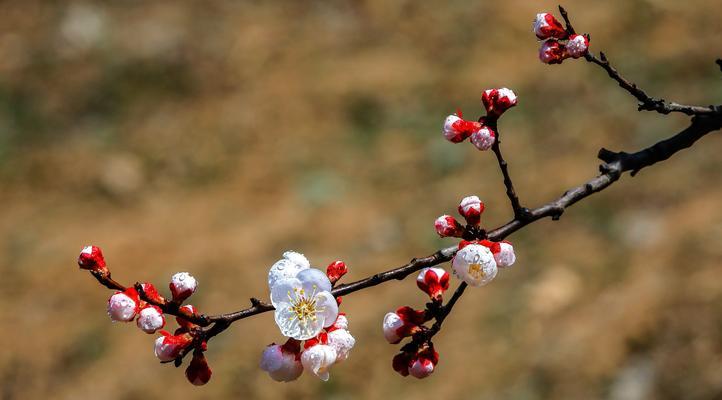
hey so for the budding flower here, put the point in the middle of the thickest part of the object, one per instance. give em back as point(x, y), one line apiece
point(504, 254)
point(336, 270)
point(150, 319)
point(552, 52)
point(448, 226)
point(318, 359)
point(433, 281)
point(471, 208)
point(484, 138)
point(168, 347)
point(546, 26)
point(496, 101)
point(341, 323)
point(151, 292)
point(123, 306)
point(341, 341)
point(402, 323)
point(424, 363)
point(474, 264)
point(91, 258)
point(282, 363)
point(198, 372)
point(456, 130)
point(184, 323)
point(577, 46)
point(182, 285)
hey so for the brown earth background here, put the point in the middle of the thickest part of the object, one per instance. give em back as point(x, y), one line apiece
point(210, 137)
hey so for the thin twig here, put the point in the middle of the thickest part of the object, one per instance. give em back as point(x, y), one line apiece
point(519, 211)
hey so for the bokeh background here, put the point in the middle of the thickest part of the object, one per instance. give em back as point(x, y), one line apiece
point(210, 137)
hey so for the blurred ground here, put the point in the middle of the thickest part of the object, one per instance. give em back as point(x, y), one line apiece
point(212, 137)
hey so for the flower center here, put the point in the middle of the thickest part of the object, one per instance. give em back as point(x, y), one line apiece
point(303, 308)
point(476, 271)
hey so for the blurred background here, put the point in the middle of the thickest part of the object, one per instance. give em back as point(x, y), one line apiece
point(210, 137)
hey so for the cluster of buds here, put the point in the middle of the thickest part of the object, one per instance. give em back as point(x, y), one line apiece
point(417, 358)
point(307, 313)
point(127, 306)
point(482, 133)
point(476, 262)
point(557, 43)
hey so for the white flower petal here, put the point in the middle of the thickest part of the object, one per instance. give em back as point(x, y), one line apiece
point(342, 341)
point(283, 269)
point(284, 291)
point(327, 308)
point(318, 359)
point(297, 258)
point(313, 280)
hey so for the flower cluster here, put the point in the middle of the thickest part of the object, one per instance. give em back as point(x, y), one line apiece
point(476, 262)
point(481, 133)
point(127, 306)
point(558, 44)
point(306, 311)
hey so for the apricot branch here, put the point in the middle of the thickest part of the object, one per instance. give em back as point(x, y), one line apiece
point(306, 301)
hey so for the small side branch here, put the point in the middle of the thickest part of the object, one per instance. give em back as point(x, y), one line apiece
point(646, 102)
point(519, 211)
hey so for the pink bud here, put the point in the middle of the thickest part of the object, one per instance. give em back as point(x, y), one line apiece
point(433, 281)
point(504, 254)
point(421, 367)
point(283, 363)
point(184, 323)
point(402, 323)
point(546, 26)
point(168, 347)
point(456, 130)
point(496, 101)
point(484, 138)
point(182, 285)
point(577, 46)
point(448, 226)
point(198, 371)
point(336, 270)
point(552, 52)
point(424, 362)
point(150, 319)
point(471, 208)
point(341, 323)
point(123, 306)
point(91, 258)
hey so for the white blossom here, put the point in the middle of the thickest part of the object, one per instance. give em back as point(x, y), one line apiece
point(304, 304)
point(475, 265)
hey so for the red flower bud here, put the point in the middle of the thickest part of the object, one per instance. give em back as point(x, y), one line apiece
point(546, 26)
point(471, 208)
point(184, 323)
point(496, 101)
point(336, 270)
point(91, 258)
point(448, 226)
point(433, 281)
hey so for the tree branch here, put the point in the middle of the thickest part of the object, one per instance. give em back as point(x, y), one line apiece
point(646, 102)
point(519, 211)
